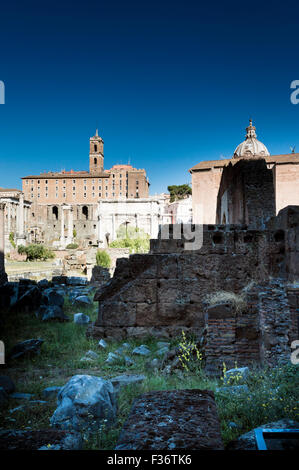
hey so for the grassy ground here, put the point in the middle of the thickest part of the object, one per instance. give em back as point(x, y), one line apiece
point(13, 267)
point(273, 393)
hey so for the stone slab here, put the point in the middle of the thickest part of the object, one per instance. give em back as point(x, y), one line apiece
point(172, 419)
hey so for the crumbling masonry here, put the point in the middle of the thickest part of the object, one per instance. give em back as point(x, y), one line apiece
point(165, 291)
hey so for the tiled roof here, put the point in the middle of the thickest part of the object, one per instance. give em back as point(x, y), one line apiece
point(278, 159)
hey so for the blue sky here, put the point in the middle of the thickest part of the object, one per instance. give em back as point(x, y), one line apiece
point(168, 84)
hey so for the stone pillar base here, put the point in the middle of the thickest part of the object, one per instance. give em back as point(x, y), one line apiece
point(20, 240)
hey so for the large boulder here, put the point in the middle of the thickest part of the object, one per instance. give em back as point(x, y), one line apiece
point(29, 347)
point(84, 403)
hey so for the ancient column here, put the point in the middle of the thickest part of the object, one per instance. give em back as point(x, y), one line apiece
point(70, 225)
point(21, 238)
point(62, 239)
point(3, 276)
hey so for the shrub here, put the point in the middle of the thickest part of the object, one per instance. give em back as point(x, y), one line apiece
point(74, 233)
point(72, 246)
point(35, 252)
point(103, 259)
point(12, 239)
point(133, 238)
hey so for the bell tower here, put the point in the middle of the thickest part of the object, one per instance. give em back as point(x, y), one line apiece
point(96, 154)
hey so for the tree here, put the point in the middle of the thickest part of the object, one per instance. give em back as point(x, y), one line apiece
point(179, 192)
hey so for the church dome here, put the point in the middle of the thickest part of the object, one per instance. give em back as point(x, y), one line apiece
point(251, 147)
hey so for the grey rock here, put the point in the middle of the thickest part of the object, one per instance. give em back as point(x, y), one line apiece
point(51, 312)
point(84, 400)
point(162, 344)
point(239, 374)
point(81, 319)
point(86, 359)
point(82, 300)
point(128, 361)
point(43, 283)
point(50, 392)
point(26, 348)
point(21, 396)
point(233, 390)
point(52, 297)
point(76, 281)
point(102, 344)
point(141, 350)
point(125, 380)
point(29, 298)
point(7, 384)
point(92, 355)
point(113, 358)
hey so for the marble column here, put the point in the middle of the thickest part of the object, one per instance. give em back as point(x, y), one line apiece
point(3, 276)
point(70, 226)
point(21, 237)
point(62, 238)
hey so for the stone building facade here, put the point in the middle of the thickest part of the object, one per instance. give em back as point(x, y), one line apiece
point(207, 178)
point(16, 218)
point(165, 291)
point(66, 202)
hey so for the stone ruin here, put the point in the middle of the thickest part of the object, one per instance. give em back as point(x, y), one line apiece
point(166, 291)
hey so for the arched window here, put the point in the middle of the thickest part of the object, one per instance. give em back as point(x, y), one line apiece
point(95, 161)
point(55, 212)
point(95, 148)
point(85, 212)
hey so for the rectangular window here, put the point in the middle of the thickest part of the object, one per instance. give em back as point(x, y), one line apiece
point(84, 194)
point(100, 194)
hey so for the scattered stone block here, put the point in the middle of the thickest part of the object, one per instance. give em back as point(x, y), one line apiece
point(51, 312)
point(81, 319)
point(141, 350)
point(82, 300)
point(233, 390)
point(124, 380)
point(102, 344)
point(113, 358)
point(239, 374)
point(26, 348)
point(92, 355)
point(171, 420)
point(85, 401)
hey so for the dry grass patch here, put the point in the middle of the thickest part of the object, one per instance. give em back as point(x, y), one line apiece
point(239, 301)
